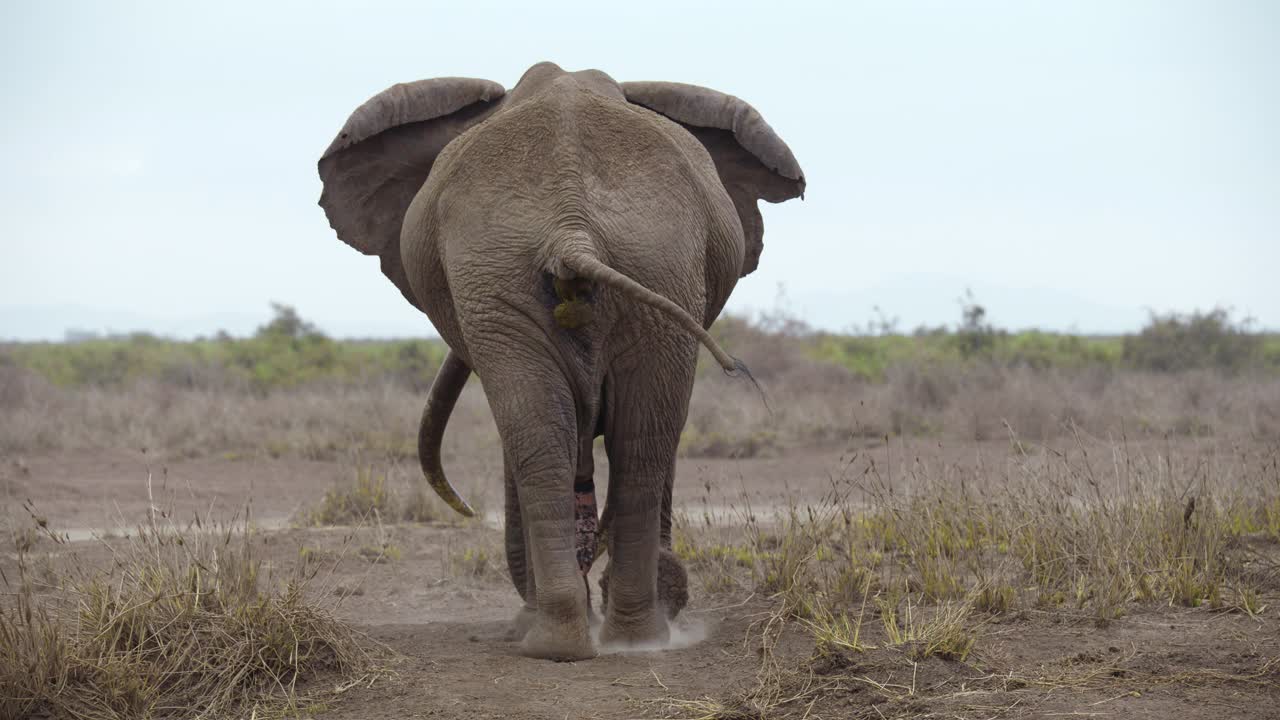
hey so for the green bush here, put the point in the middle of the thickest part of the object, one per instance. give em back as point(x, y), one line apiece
point(1200, 341)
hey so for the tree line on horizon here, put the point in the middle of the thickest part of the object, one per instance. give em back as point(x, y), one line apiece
point(288, 350)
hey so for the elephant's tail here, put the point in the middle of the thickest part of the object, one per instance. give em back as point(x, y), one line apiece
point(446, 388)
point(585, 264)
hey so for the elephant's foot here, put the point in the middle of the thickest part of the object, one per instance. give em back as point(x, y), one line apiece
point(566, 639)
point(646, 630)
point(673, 585)
point(522, 623)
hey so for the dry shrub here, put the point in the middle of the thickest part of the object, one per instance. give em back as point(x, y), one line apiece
point(803, 402)
point(809, 404)
point(18, 386)
point(972, 383)
point(374, 421)
point(183, 623)
point(977, 401)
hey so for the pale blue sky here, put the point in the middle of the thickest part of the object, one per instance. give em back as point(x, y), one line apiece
point(1072, 162)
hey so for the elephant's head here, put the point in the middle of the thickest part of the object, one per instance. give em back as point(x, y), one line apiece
point(382, 156)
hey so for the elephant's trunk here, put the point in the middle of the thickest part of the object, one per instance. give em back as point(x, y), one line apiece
point(446, 388)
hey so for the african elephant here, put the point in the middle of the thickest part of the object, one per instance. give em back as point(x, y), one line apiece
point(570, 240)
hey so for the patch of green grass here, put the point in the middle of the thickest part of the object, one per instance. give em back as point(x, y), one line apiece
point(473, 562)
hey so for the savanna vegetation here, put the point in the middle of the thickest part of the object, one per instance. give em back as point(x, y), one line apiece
point(289, 352)
point(1124, 486)
point(290, 390)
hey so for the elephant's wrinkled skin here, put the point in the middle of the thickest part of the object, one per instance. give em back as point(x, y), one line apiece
point(570, 240)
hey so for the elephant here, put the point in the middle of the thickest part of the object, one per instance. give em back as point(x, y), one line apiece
point(571, 240)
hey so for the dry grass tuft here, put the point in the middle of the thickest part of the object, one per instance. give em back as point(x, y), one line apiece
point(369, 498)
point(182, 623)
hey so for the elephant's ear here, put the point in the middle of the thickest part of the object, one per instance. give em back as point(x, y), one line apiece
point(753, 162)
point(382, 156)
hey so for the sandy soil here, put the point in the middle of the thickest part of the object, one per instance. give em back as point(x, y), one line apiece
point(451, 625)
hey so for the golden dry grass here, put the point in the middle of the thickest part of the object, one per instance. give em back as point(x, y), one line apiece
point(885, 573)
point(183, 621)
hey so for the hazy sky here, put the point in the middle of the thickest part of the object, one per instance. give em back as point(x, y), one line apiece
point(1074, 163)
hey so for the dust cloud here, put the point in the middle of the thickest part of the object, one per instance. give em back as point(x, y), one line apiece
point(685, 631)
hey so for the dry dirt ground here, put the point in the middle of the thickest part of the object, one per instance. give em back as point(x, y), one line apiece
point(441, 601)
